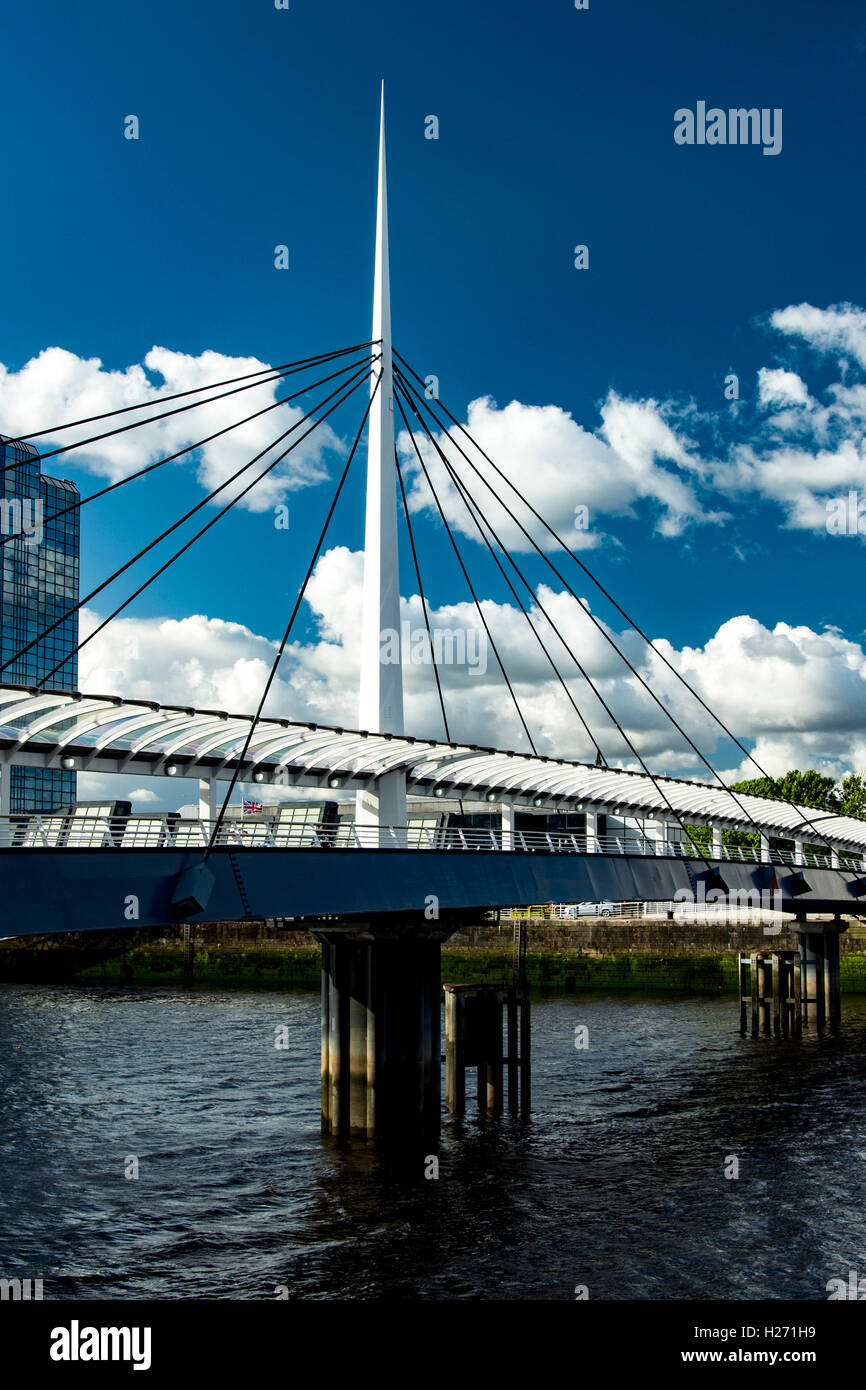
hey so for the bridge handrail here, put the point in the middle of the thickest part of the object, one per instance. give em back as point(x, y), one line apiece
point(63, 830)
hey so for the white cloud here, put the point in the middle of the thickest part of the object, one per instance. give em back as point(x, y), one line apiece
point(57, 386)
point(635, 456)
point(839, 329)
point(807, 448)
point(800, 693)
point(800, 479)
point(190, 661)
point(795, 448)
point(798, 449)
point(784, 681)
point(778, 387)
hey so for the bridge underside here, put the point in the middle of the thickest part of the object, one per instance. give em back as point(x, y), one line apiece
point(53, 891)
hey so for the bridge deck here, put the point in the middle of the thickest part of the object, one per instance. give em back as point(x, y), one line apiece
point(48, 890)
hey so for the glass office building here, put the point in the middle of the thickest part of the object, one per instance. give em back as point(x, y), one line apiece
point(38, 585)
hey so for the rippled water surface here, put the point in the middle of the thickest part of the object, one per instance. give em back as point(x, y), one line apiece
point(616, 1183)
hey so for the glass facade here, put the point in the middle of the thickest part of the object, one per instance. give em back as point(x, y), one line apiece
point(38, 585)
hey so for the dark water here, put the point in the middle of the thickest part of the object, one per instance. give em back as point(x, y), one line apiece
point(617, 1183)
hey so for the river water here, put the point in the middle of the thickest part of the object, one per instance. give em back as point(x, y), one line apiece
point(617, 1183)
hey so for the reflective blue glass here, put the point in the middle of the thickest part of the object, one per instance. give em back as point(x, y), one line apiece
point(38, 586)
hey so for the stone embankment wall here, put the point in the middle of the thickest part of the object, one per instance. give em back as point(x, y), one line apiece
point(591, 953)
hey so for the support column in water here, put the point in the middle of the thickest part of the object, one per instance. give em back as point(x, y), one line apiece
point(381, 1045)
point(819, 965)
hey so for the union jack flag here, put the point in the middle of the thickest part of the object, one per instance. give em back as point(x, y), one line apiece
point(251, 807)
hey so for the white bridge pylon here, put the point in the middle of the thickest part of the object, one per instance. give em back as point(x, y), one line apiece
point(383, 803)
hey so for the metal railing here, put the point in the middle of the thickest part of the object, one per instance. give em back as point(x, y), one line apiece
point(76, 831)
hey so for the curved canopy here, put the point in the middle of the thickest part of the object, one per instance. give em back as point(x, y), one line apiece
point(109, 733)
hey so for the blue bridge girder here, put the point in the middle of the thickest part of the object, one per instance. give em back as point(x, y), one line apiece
point(48, 891)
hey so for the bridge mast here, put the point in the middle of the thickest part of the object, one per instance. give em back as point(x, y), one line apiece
point(381, 698)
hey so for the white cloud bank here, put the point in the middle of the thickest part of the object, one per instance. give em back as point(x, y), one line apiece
point(57, 387)
point(800, 694)
point(789, 444)
point(636, 456)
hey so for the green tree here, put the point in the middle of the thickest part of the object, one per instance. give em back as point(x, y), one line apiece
point(808, 788)
point(703, 836)
point(852, 795)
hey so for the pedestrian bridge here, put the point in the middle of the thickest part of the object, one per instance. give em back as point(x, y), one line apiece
point(380, 894)
point(80, 870)
point(111, 734)
point(68, 873)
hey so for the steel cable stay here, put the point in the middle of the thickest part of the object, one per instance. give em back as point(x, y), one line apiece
point(279, 656)
point(151, 420)
point(627, 741)
point(470, 504)
point(213, 521)
point(270, 374)
point(611, 642)
point(189, 448)
point(423, 598)
point(467, 578)
point(718, 720)
point(362, 374)
point(598, 625)
point(425, 608)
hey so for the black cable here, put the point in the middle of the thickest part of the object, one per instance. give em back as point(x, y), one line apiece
point(466, 577)
point(601, 699)
point(278, 658)
point(469, 503)
point(423, 599)
point(618, 727)
point(745, 751)
point(695, 749)
point(284, 368)
point(200, 533)
point(167, 532)
point(746, 814)
point(592, 617)
point(140, 473)
point(152, 419)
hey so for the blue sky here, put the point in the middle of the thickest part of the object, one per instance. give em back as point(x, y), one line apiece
point(258, 127)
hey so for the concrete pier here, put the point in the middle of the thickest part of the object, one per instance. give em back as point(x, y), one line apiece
point(770, 983)
point(819, 965)
point(381, 1057)
point(789, 991)
point(794, 990)
point(474, 1037)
